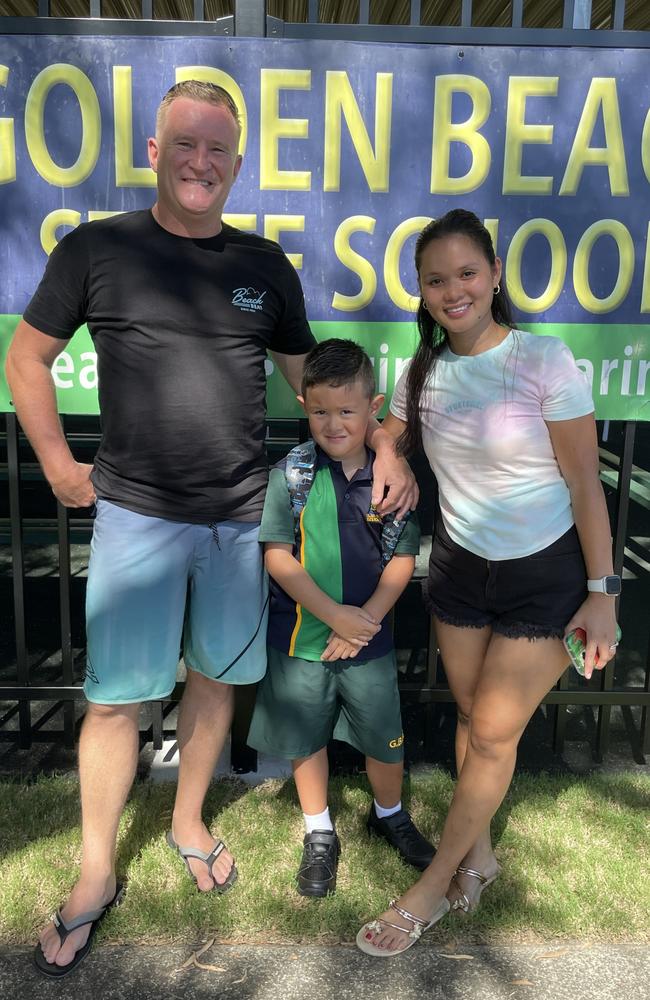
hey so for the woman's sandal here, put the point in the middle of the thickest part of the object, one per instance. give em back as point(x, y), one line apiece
point(207, 859)
point(463, 902)
point(418, 927)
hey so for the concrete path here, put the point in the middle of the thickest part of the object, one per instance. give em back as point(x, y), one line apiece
point(243, 972)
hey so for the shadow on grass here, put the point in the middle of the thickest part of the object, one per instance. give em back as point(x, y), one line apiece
point(556, 882)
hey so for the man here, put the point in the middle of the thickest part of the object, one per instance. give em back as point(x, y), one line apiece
point(182, 309)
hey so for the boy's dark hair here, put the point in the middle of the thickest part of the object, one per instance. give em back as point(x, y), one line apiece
point(338, 362)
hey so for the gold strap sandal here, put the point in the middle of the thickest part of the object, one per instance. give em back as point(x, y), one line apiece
point(463, 902)
point(418, 927)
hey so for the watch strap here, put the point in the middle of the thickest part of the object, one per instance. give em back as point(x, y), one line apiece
point(610, 584)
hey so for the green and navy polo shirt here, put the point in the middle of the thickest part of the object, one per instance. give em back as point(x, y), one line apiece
point(340, 549)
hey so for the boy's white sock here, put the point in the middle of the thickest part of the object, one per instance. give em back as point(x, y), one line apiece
point(383, 813)
point(319, 821)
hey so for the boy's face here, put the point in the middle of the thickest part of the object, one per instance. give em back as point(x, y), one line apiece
point(338, 418)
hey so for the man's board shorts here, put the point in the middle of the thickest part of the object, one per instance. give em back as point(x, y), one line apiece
point(533, 597)
point(302, 704)
point(155, 585)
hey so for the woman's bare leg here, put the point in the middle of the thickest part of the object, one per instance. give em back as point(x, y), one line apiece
point(463, 653)
point(515, 677)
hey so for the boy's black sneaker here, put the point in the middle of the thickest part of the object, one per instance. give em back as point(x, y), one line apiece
point(320, 859)
point(401, 833)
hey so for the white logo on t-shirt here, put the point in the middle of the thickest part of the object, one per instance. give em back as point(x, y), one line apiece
point(248, 299)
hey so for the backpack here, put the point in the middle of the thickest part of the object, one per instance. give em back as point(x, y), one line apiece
point(300, 471)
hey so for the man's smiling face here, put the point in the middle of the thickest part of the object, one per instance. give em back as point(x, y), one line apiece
point(196, 161)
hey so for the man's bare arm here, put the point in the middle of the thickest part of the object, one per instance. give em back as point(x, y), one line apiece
point(28, 370)
point(291, 366)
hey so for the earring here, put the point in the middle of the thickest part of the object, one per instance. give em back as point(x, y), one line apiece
point(424, 306)
point(496, 290)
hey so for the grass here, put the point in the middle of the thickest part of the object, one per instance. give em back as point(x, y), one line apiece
point(574, 854)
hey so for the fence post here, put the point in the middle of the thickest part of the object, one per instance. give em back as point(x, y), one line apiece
point(18, 572)
point(250, 18)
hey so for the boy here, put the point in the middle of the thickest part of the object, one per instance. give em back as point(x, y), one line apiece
point(332, 669)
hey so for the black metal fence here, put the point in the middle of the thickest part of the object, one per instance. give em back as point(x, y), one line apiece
point(40, 694)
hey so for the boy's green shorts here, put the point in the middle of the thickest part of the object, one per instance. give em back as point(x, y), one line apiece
point(302, 704)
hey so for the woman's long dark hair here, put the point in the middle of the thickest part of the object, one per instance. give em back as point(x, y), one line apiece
point(433, 337)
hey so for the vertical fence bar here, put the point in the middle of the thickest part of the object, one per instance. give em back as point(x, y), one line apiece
point(18, 572)
point(157, 724)
point(147, 10)
point(577, 14)
point(561, 716)
point(517, 13)
point(416, 12)
point(43, 8)
point(644, 733)
point(466, 13)
point(623, 495)
point(620, 532)
point(312, 12)
point(364, 11)
point(95, 8)
point(63, 531)
point(199, 10)
point(618, 15)
point(250, 18)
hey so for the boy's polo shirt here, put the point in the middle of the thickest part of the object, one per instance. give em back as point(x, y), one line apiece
point(340, 549)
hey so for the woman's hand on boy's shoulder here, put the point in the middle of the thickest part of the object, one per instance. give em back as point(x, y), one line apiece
point(394, 487)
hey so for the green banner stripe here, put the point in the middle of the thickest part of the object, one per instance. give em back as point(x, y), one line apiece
point(615, 359)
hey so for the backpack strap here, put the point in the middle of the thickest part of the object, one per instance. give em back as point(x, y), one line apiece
point(300, 471)
point(391, 530)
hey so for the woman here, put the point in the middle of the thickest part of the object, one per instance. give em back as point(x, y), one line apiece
point(522, 545)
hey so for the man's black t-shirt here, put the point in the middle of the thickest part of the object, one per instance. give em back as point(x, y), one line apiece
point(181, 327)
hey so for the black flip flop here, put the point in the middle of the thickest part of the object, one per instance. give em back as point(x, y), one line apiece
point(94, 918)
point(207, 859)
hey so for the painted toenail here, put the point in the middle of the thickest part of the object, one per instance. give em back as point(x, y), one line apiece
point(368, 936)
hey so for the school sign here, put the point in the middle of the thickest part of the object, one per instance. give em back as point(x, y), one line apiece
point(349, 150)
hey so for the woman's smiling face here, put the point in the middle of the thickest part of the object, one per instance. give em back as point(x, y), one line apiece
point(457, 285)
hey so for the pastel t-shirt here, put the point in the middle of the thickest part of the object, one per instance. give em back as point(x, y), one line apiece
point(484, 431)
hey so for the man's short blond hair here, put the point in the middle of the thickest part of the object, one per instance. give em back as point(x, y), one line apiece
point(196, 90)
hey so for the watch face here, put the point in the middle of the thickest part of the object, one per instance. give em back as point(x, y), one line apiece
point(613, 585)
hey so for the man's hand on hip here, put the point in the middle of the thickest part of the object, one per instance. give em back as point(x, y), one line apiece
point(74, 488)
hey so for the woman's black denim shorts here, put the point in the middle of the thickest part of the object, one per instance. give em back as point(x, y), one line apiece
point(533, 597)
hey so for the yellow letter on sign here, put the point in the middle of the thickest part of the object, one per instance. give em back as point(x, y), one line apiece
point(7, 141)
point(602, 94)
point(91, 125)
point(340, 102)
point(520, 133)
point(445, 132)
point(273, 128)
point(126, 175)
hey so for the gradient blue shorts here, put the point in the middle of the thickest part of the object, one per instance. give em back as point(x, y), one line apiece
point(154, 585)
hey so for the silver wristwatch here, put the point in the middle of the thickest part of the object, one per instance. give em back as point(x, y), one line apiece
point(610, 585)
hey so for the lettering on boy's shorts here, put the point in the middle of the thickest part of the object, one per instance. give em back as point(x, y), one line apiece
point(89, 673)
point(394, 744)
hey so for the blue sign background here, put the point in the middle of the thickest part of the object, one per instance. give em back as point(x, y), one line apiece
point(25, 202)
